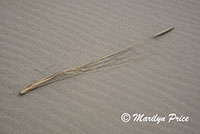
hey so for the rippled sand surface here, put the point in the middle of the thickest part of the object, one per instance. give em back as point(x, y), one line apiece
point(38, 38)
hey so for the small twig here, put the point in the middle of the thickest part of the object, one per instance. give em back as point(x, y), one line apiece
point(107, 61)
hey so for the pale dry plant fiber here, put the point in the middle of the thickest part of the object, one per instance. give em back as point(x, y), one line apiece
point(112, 60)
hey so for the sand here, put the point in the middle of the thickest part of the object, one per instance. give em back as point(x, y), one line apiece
point(38, 38)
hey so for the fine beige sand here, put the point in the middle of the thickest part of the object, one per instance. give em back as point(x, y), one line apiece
point(38, 38)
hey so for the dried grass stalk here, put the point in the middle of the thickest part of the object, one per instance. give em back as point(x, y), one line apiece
point(114, 59)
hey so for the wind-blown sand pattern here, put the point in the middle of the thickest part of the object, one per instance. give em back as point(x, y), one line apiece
point(40, 38)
